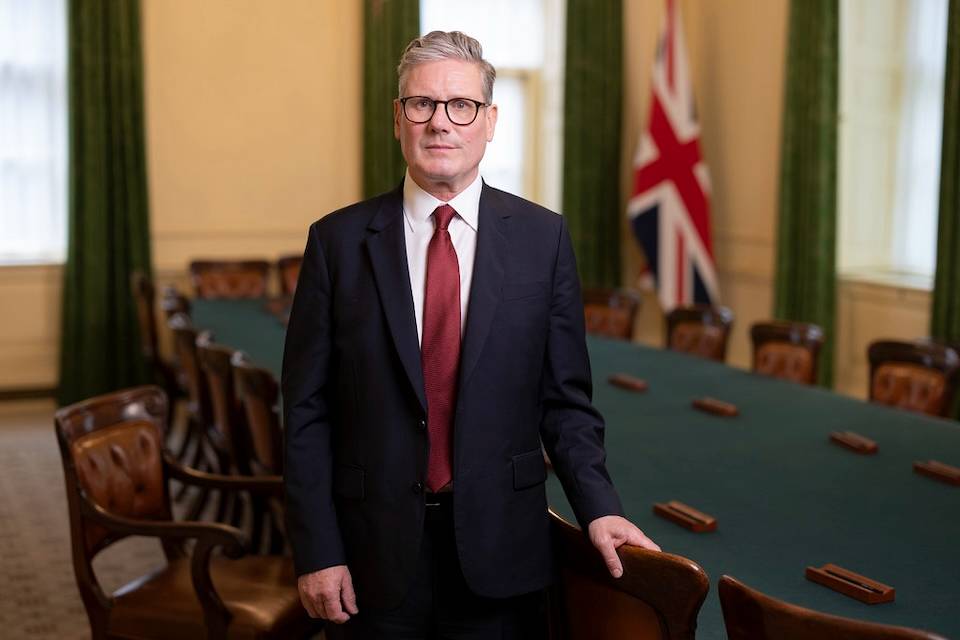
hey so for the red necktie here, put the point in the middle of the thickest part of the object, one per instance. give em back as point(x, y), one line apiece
point(440, 346)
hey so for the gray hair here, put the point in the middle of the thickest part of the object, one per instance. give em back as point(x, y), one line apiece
point(444, 45)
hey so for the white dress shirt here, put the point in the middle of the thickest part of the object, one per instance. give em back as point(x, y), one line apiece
point(419, 224)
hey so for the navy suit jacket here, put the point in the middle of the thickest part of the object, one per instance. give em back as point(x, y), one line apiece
point(355, 408)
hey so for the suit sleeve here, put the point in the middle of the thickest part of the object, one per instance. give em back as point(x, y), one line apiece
point(308, 472)
point(571, 428)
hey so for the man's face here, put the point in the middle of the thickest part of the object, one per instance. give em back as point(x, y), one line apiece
point(442, 156)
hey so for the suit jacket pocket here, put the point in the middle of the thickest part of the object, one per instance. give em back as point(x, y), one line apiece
point(348, 482)
point(529, 469)
point(518, 290)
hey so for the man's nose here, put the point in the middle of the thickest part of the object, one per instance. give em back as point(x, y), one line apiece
point(439, 121)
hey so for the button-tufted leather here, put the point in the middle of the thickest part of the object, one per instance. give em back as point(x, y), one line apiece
point(786, 361)
point(909, 386)
point(119, 468)
point(698, 339)
point(604, 321)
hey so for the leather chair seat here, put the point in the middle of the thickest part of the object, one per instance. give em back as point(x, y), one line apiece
point(909, 386)
point(164, 605)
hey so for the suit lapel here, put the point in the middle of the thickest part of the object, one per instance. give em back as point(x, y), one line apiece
point(386, 246)
point(485, 289)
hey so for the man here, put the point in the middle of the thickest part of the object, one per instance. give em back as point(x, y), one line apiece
point(436, 338)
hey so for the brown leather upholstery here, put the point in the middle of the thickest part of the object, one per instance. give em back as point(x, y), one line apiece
point(658, 596)
point(117, 476)
point(700, 330)
point(787, 350)
point(288, 267)
point(229, 279)
point(751, 615)
point(260, 591)
point(610, 312)
point(119, 469)
point(227, 430)
point(185, 350)
point(917, 376)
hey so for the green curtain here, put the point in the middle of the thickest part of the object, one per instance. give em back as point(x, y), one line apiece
point(592, 110)
point(108, 234)
point(806, 237)
point(388, 26)
point(945, 318)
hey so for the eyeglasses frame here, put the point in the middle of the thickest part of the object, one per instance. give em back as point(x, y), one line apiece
point(446, 109)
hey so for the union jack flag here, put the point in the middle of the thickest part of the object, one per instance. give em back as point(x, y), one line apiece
point(669, 210)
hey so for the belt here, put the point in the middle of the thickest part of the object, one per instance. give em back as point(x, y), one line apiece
point(443, 499)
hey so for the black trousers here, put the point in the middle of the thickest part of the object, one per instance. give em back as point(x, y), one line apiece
point(439, 605)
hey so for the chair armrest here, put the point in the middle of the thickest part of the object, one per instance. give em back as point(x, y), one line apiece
point(208, 536)
point(213, 534)
point(263, 485)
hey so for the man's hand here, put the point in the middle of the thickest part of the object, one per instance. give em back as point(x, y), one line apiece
point(609, 532)
point(328, 594)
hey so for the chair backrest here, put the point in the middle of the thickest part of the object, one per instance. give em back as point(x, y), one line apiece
point(657, 597)
point(174, 302)
point(111, 450)
point(787, 350)
point(918, 376)
point(288, 268)
point(610, 312)
point(701, 330)
point(185, 353)
point(144, 295)
point(231, 279)
point(259, 395)
point(751, 615)
point(228, 434)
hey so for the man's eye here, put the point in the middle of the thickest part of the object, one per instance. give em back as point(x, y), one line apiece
point(461, 105)
point(423, 103)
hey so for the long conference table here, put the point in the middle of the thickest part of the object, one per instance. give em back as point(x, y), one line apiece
point(784, 497)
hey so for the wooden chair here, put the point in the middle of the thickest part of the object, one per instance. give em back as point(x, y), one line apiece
point(259, 396)
point(288, 268)
point(117, 478)
point(918, 376)
point(658, 596)
point(700, 330)
point(144, 295)
point(610, 312)
point(751, 615)
point(229, 279)
point(787, 350)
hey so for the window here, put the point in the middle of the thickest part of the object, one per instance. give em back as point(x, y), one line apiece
point(33, 131)
point(523, 39)
point(891, 115)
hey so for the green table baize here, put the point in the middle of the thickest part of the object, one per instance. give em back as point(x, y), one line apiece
point(783, 496)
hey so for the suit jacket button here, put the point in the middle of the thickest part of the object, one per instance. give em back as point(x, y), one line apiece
point(423, 425)
point(417, 487)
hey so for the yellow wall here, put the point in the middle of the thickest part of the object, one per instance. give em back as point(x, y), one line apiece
point(253, 124)
point(253, 131)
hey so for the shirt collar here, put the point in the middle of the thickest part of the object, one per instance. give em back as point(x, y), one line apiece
point(418, 205)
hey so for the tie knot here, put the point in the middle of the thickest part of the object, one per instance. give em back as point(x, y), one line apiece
point(444, 214)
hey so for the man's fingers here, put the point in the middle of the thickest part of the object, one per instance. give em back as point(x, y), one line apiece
point(609, 553)
point(332, 609)
point(348, 596)
point(638, 538)
point(307, 603)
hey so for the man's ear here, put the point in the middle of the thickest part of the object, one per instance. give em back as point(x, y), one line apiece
point(491, 121)
point(397, 114)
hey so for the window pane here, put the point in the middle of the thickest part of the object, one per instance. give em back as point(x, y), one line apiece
point(505, 160)
point(33, 130)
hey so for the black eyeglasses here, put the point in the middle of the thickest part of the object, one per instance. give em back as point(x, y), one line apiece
point(461, 111)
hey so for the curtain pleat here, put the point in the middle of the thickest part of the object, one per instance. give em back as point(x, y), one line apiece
point(388, 26)
point(593, 89)
point(108, 224)
point(945, 316)
point(806, 237)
